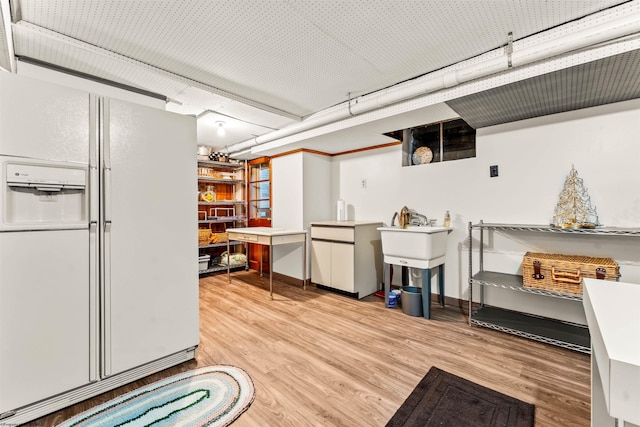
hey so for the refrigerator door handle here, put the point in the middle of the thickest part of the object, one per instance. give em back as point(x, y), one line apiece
point(94, 331)
point(105, 256)
point(93, 195)
point(105, 292)
point(107, 196)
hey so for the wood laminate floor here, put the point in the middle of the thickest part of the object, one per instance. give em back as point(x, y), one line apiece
point(321, 359)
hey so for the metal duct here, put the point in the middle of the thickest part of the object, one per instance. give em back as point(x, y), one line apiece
point(604, 81)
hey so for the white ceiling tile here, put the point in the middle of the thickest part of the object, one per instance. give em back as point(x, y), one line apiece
point(301, 56)
point(184, 109)
point(210, 101)
point(290, 58)
point(234, 130)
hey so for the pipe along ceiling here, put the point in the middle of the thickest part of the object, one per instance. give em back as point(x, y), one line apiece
point(500, 60)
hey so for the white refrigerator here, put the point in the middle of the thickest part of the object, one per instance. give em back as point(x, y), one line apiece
point(98, 245)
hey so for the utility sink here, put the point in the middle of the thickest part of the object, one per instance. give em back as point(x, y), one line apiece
point(414, 246)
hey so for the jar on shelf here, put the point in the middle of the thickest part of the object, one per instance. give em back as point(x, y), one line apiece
point(209, 195)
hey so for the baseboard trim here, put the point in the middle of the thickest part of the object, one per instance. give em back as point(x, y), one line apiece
point(354, 295)
point(462, 304)
point(290, 280)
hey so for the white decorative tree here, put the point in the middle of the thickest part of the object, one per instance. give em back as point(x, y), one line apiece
point(574, 205)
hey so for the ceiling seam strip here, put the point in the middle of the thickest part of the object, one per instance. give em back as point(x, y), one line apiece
point(155, 70)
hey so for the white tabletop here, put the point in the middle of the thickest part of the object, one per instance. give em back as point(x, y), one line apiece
point(344, 223)
point(614, 324)
point(417, 229)
point(616, 306)
point(265, 231)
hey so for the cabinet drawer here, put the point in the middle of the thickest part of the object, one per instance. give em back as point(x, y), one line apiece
point(243, 237)
point(291, 238)
point(340, 234)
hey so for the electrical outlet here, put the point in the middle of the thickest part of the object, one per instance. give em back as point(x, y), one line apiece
point(363, 183)
point(493, 171)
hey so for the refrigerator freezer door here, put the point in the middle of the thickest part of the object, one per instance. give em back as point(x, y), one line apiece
point(150, 241)
point(44, 333)
point(42, 120)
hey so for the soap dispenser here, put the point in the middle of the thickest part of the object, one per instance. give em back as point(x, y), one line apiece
point(447, 219)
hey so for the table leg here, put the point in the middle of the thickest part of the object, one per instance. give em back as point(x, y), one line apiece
point(270, 271)
point(387, 283)
point(426, 293)
point(599, 413)
point(304, 263)
point(228, 263)
point(441, 284)
point(261, 250)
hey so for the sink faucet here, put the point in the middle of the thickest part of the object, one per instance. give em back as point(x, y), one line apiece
point(415, 218)
point(420, 219)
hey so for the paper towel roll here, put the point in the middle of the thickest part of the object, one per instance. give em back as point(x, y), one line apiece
point(341, 214)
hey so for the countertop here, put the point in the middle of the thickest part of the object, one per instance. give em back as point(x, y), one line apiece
point(615, 307)
point(611, 309)
point(265, 231)
point(417, 229)
point(345, 223)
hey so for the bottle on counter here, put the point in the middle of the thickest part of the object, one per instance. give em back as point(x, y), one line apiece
point(447, 219)
point(341, 214)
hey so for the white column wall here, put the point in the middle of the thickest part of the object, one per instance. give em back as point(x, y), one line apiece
point(301, 192)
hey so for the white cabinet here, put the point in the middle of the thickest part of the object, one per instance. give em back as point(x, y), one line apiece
point(320, 261)
point(346, 256)
point(332, 264)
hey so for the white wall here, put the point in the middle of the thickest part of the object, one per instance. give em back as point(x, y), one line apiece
point(534, 157)
point(301, 191)
point(317, 188)
point(286, 191)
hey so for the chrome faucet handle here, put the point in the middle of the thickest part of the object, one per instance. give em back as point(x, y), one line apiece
point(418, 219)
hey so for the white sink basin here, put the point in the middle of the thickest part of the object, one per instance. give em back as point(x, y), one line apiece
point(414, 246)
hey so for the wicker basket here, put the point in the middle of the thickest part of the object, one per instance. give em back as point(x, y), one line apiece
point(204, 236)
point(219, 237)
point(564, 273)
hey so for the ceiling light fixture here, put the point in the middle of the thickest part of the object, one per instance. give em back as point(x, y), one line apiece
point(221, 130)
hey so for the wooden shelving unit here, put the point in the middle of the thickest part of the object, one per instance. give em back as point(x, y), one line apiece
point(228, 210)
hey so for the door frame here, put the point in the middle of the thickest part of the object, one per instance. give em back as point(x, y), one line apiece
point(258, 252)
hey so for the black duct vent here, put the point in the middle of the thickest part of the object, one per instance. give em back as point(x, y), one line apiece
point(608, 80)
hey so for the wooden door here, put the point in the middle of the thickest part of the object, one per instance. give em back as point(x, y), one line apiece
point(259, 211)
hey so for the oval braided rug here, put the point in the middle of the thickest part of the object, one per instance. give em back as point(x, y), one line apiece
point(210, 396)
